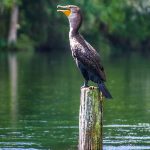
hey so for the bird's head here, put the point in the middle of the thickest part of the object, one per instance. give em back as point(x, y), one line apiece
point(74, 15)
point(69, 10)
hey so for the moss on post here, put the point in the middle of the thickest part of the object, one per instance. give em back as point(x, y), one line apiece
point(90, 119)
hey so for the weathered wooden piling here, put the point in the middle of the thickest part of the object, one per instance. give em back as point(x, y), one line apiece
point(90, 119)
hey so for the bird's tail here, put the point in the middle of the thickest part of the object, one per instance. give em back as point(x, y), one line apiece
point(104, 90)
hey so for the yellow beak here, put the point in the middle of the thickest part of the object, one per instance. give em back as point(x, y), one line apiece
point(66, 10)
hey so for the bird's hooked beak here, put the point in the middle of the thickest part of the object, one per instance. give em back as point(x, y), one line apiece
point(65, 9)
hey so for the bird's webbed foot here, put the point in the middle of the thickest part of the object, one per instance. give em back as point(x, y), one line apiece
point(85, 84)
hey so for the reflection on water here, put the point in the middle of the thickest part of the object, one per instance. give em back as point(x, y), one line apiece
point(13, 73)
point(39, 102)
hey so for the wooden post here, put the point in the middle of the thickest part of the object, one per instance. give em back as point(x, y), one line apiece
point(90, 119)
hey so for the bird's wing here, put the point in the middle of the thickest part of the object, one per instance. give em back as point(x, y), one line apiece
point(91, 59)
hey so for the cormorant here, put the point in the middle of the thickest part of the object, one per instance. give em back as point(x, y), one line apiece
point(86, 57)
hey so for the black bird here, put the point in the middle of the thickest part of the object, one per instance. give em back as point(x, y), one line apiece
point(86, 57)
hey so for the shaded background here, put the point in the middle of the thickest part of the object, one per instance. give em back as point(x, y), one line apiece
point(107, 23)
point(40, 85)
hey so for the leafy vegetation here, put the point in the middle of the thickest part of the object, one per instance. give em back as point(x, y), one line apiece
point(123, 25)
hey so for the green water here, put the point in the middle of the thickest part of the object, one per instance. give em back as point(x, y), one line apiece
point(39, 102)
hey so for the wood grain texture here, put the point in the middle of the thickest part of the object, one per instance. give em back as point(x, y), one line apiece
point(90, 119)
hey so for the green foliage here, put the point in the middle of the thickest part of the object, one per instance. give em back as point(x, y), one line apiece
point(119, 23)
point(9, 3)
point(6, 3)
point(25, 43)
point(3, 43)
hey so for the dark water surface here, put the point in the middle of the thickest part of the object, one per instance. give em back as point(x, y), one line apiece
point(39, 102)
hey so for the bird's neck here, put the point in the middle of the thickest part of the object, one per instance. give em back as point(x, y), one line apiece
point(74, 23)
point(73, 32)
